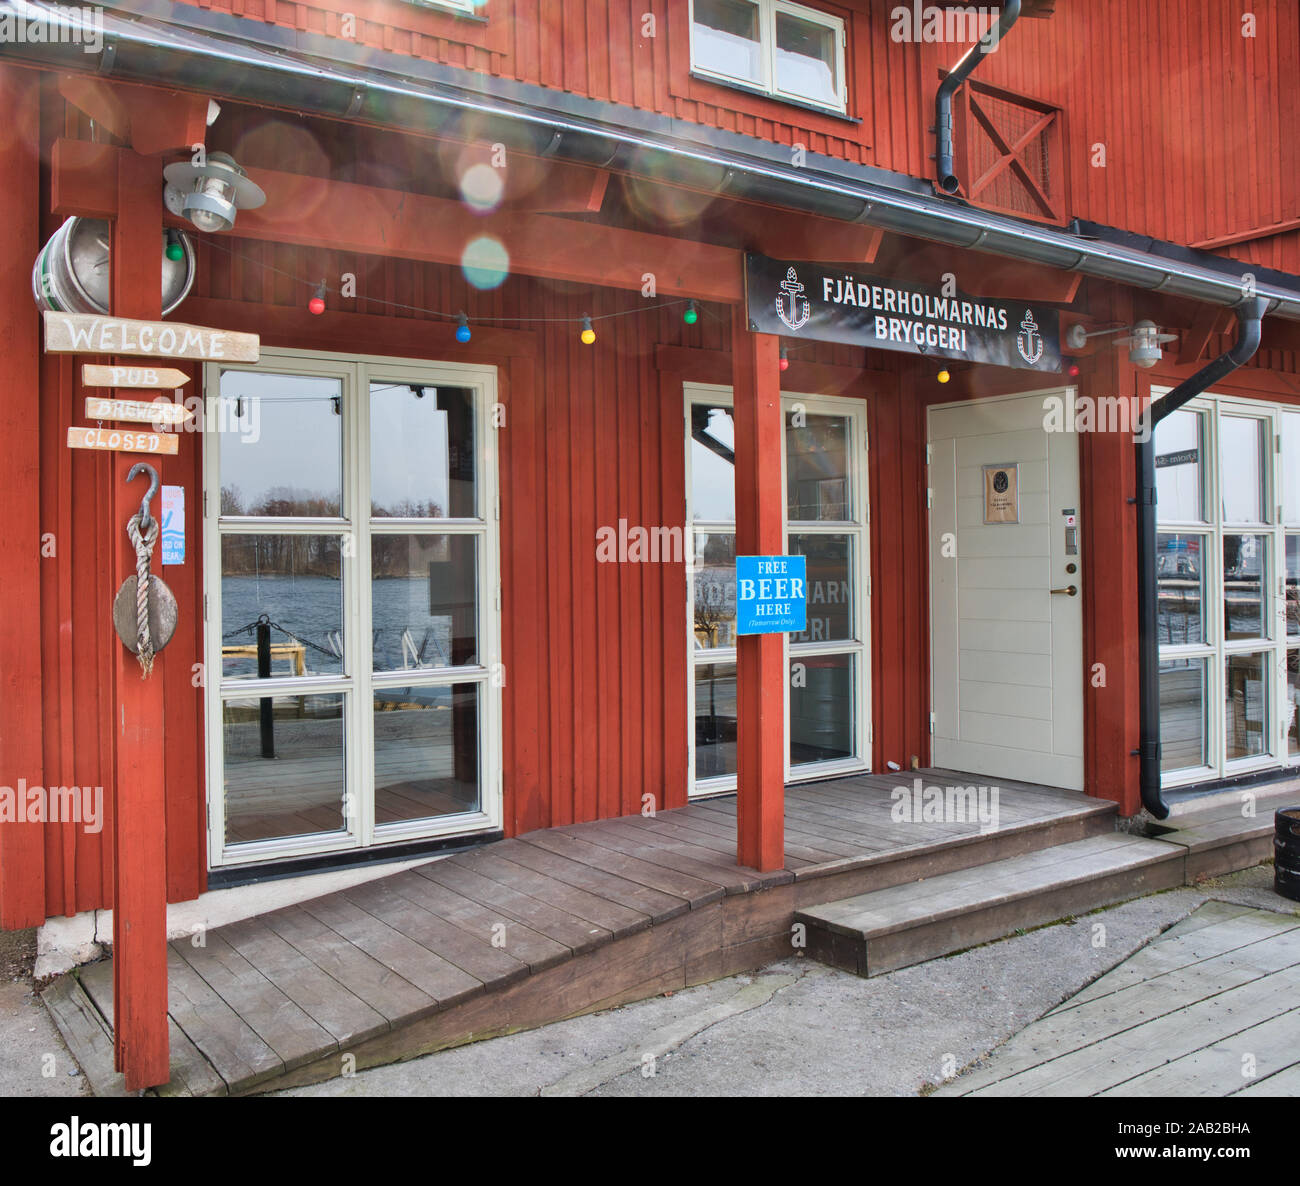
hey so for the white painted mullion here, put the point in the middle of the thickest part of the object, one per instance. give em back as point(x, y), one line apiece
point(363, 716)
point(214, 757)
point(1217, 721)
point(1276, 579)
point(488, 553)
point(767, 38)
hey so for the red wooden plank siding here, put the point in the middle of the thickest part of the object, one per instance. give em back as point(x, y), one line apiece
point(21, 845)
point(1207, 114)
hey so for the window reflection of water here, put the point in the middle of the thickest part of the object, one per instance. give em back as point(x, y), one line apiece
point(309, 608)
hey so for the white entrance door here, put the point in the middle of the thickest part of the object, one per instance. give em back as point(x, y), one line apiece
point(1006, 608)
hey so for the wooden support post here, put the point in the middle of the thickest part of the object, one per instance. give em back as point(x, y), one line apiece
point(22, 846)
point(1110, 585)
point(760, 662)
point(140, 857)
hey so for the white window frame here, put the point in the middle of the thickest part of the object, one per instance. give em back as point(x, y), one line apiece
point(1216, 649)
point(467, 7)
point(767, 13)
point(358, 682)
point(860, 647)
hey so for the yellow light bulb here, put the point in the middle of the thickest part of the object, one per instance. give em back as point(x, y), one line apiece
point(588, 334)
point(943, 376)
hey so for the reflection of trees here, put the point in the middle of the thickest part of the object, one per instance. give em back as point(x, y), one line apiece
point(406, 509)
point(281, 502)
point(716, 549)
point(713, 608)
point(270, 555)
point(285, 502)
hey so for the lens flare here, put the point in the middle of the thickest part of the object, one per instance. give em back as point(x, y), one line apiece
point(485, 262)
point(481, 187)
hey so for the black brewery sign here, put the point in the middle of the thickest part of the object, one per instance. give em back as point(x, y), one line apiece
point(805, 300)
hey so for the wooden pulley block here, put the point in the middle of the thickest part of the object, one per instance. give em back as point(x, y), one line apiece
point(163, 613)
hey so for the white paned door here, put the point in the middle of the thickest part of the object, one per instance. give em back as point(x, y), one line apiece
point(1006, 631)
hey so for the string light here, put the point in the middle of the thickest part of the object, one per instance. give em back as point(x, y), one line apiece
point(944, 375)
point(174, 251)
point(320, 289)
point(784, 363)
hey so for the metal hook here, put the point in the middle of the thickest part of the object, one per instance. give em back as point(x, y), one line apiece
point(143, 467)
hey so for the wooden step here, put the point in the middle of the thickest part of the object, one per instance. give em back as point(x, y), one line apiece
point(907, 924)
point(1218, 837)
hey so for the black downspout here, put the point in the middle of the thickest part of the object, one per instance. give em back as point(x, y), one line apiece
point(943, 148)
point(1249, 314)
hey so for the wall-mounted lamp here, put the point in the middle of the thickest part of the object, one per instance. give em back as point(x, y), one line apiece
point(211, 194)
point(1144, 340)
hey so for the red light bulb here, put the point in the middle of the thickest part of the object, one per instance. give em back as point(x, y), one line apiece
point(317, 303)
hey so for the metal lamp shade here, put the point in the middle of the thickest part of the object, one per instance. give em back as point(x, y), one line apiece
point(1145, 344)
point(214, 192)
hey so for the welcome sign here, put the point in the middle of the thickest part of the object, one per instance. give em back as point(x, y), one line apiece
point(828, 304)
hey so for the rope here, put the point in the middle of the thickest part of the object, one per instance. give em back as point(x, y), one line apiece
point(143, 545)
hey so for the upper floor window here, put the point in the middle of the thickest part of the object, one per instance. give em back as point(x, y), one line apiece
point(782, 49)
point(470, 6)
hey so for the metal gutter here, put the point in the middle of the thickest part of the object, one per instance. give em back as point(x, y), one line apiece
point(162, 54)
point(1249, 316)
point(943, 147)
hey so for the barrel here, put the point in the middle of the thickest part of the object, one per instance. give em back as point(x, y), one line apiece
point(57, 285)
point(1286, 852)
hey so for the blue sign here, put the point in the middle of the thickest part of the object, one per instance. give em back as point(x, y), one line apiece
point(771, 594)
point(173, 525)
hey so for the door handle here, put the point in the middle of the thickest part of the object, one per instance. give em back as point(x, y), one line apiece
point(1069, 590)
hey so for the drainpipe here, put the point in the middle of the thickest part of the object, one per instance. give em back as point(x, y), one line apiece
point(943, 151)
point(1249, 315)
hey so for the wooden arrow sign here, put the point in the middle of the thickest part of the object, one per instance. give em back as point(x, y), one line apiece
point(143, 411)
point(84, 333)
point(145, 377)
point(122, 440)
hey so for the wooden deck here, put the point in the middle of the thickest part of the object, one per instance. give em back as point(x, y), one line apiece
point(537, 928)
point(1206, 1009)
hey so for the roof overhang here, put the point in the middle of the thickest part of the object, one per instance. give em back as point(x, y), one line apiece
point(191, 49)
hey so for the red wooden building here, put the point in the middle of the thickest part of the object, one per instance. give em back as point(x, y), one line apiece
point(465, 529)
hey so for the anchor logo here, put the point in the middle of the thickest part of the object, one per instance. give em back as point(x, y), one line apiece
point(1029, 341)
point(800, 309)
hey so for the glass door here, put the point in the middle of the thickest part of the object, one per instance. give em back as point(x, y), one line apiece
point(352, 606)
point(827, 697)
